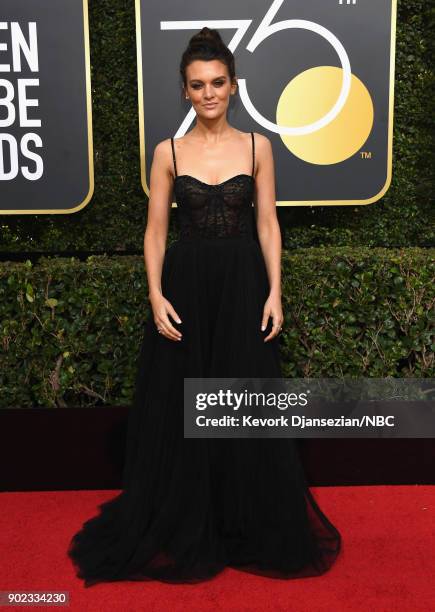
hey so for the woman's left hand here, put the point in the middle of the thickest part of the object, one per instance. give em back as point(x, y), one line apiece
point(272, 308)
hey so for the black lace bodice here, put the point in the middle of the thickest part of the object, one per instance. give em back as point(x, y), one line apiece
point(215, 211)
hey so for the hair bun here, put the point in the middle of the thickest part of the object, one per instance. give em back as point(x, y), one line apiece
point(206, 35)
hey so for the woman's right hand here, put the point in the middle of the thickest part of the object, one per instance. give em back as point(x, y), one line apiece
point(161, 309)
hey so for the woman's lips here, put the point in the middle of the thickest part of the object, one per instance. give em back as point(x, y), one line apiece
point(210, 105)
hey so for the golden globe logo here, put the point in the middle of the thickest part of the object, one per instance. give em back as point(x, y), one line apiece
point(326, 105)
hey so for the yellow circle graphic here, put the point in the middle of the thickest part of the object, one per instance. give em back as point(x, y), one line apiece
point(307, 98)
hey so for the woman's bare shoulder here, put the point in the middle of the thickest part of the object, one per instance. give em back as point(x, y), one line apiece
point(263, 146)
point(162, 146)
point(261, 139)
point(163, 153)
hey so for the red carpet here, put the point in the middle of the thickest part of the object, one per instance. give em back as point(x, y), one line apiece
point(387, 562)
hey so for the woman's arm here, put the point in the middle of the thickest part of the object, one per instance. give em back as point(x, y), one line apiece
point(156, 233)
point(268, 230)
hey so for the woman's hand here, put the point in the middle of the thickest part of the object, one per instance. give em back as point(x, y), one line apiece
point(161, 309)
point(272, 308)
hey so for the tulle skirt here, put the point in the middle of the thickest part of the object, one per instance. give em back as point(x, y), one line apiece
point(190, 507)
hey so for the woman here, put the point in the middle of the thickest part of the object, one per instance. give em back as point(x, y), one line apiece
point(192, 506)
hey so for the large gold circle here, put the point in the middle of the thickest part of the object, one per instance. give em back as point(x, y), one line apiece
point(307, 98)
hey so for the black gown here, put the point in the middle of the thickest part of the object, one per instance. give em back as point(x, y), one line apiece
point(191, 506)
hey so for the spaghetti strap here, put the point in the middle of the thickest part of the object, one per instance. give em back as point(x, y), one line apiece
point(173, 156)
point(253, 153)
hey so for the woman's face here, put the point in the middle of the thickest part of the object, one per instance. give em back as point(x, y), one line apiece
point(209, 87)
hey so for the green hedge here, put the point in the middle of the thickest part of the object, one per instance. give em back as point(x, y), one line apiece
point(71, 330)
point(115, 218)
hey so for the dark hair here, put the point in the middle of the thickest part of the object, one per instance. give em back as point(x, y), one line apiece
point(207, 45)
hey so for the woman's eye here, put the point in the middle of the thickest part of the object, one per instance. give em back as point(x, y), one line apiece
point(216, 84)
